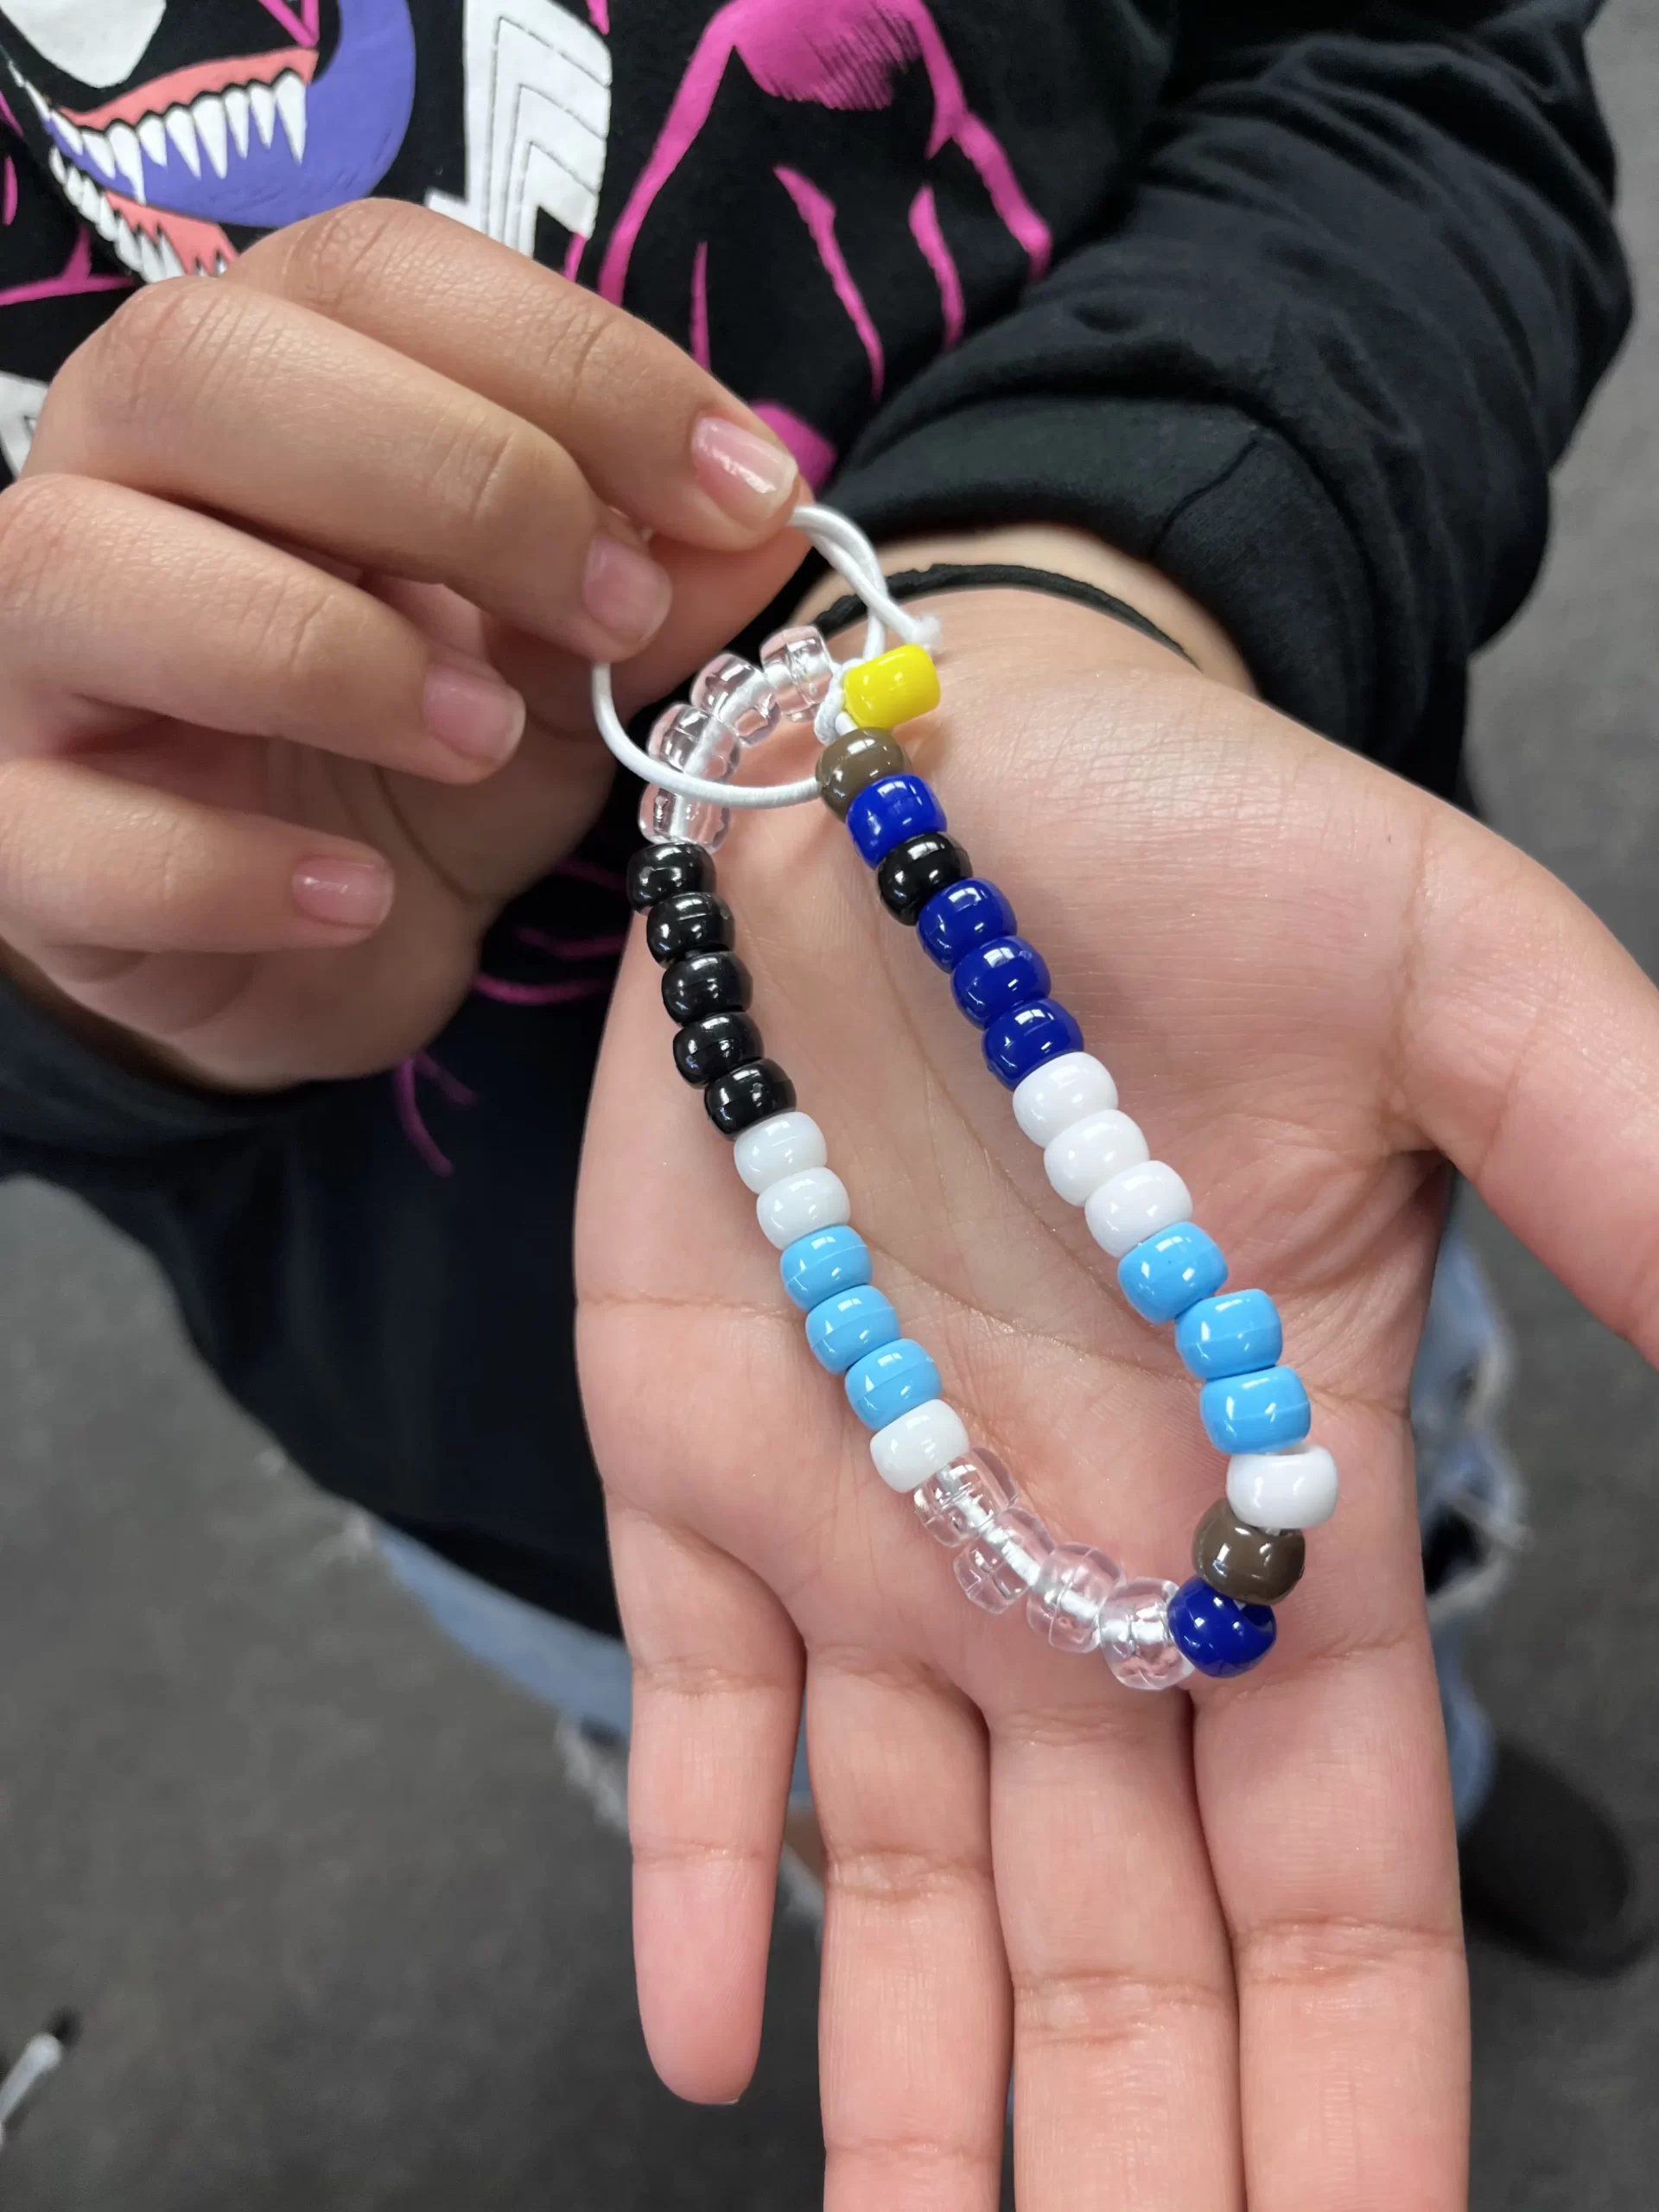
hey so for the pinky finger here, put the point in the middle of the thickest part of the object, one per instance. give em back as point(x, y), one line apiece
point(717, 1675)
point(88, 860)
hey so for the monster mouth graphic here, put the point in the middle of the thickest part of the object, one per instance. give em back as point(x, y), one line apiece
point(246, 141)
point(108, 161)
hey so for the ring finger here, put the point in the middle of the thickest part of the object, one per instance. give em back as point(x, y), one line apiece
point(112, 603)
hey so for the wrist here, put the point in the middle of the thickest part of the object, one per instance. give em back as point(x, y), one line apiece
point(1068, 552)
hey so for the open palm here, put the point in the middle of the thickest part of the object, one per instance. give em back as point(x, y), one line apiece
point(1216, 1938)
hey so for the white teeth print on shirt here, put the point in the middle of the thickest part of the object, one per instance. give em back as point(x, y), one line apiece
point(215, 127)
point(152, 258)
point(126, 147)
point(182, 129)
point(208, 115)
point(264, 110)
point(290, 106)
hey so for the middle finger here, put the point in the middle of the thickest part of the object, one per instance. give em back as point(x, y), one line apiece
point(231, 399)
point(1125, 2030)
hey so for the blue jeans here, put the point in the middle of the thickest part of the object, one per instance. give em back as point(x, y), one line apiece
point(1469, 1504)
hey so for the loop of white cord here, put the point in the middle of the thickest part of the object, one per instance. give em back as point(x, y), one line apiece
point(846, 550)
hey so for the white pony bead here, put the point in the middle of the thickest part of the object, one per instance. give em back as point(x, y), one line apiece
point(1294, 1489)
point(1091, 1151)
point(786, 1145)
point(908, 1451)
point(1059, 1092)
point(1136, 1204)
point(817, 1198)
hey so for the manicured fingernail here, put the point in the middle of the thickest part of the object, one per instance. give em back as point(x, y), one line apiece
point(352, 894)
point(472, 711)
point(625, 591)
point(751, 477)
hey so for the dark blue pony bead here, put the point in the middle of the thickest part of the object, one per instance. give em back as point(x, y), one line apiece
point(962, 916)
point(886, 813)
point(1218, 1635)
point(1017, 1042)
point(994, 978)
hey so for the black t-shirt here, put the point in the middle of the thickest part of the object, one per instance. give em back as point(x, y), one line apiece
point(1299, 301)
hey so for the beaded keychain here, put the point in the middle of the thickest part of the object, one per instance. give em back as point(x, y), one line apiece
point(1249, 1550)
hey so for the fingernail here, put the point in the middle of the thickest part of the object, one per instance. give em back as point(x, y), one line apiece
point(352, 894)
point(625, 591)
point(751, 477)
point(472, 711)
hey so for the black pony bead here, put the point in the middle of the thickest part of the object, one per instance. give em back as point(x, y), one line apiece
point(716, 1045)
point(689, 921)
point(736, 1102)
point(706, 983)
point(916, 869)
point(657, 872)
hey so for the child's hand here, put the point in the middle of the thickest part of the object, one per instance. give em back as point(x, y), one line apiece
point(1217, 1939)
point(296, 596)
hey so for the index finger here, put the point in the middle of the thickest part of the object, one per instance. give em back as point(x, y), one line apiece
point(654, 433)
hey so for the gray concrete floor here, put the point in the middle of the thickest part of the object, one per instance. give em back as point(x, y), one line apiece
point(342, 1934)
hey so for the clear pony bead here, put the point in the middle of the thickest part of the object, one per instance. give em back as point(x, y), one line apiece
point(964, 1497)
point(1069, 1595)
point(667, 819)
point(691, 738)
point(800, 668)
point(686, 737)
point(1003, 1561)
point(1136, 1639)
point(735, 692)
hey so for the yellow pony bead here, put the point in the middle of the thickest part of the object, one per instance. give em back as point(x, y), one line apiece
point(893, 688)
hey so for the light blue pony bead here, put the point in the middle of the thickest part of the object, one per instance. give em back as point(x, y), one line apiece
point(890, 1381)
point(1256, 1413)
point(823, 1261)
point(1168, 1272)
point(847, 1325)
point(1233, 1335)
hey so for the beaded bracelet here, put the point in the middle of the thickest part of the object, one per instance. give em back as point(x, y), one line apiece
point(1248, 1551)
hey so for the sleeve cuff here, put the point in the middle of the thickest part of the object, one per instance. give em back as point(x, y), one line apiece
point(58, 1095)
point(1220, 504)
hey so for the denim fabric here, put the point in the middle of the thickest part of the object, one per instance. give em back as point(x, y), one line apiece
point(1470, 1499)
point(585, 1675)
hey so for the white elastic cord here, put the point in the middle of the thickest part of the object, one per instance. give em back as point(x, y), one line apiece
point(846, 550)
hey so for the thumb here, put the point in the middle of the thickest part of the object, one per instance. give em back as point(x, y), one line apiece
point(716, 595)
point(1528, 1054)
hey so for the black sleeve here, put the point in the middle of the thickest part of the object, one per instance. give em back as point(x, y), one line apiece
point(1358, 296)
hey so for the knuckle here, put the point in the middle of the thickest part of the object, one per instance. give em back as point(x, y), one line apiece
point(682, 1854)
point(593, 350)
point(35, 522)
point(43, 881)
point(44, 530)
point(324, 259)
point(499, 480)
point(601, 360)
point(295, 636)
point(903, 1875)
point(1329, 1949)
point(1105, 2005)
point(152, 357)
point(698, 1680)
